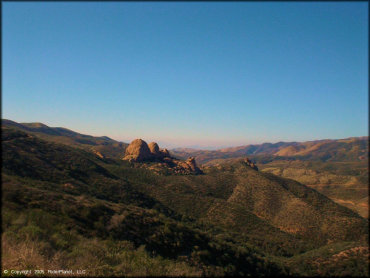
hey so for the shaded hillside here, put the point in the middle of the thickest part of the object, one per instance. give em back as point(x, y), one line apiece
point(102, 146)
point(232, 220)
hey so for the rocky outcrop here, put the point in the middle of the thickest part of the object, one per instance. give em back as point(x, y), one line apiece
point(192, 164)
point(165, 152)
point(154, 148)
point(140, 151)
point(156, 152)
point(250, 164)
point(97, 153)
point(188, 165)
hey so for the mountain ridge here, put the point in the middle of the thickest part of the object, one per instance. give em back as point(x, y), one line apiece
point(302, 150)
point(347, 149)
point(101, 145)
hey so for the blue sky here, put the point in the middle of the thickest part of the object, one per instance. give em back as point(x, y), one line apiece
point(205, 74)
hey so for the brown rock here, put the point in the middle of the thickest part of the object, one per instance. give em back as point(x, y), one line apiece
point(154, 148)
point(138, 151)
point(165, 153)
point(99, 154)
point(191, 162)
point(192, 165)
point(250, 164)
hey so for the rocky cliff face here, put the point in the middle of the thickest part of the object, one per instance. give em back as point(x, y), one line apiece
point(140, 151)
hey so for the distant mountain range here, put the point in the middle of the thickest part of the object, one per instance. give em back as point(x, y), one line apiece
point(349, 149)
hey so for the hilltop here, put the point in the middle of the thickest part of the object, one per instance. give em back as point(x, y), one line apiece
point(102, 146)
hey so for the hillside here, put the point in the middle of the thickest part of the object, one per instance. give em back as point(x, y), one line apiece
point(336, 168)
point(102, 146)
point(231, 220)
point(344, 182)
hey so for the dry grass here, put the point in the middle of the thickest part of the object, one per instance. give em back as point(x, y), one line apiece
point(95, 256)
point(26, 255)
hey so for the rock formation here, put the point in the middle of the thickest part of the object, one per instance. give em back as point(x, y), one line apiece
point(165, 152)
point(140, 151)
point(250, 164)
point(154, 148)
point(192, 164)
point(99, 154)
point(188, 165)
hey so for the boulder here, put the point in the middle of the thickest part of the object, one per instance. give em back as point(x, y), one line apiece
point(154, 148)
point(165, 153)
point(138, 151)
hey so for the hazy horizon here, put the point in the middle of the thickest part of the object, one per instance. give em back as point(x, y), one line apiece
point(207, 145)
point(200, 75)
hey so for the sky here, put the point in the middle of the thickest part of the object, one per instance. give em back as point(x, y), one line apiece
point(197, 74)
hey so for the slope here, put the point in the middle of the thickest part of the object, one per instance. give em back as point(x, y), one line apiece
point(102, 146)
